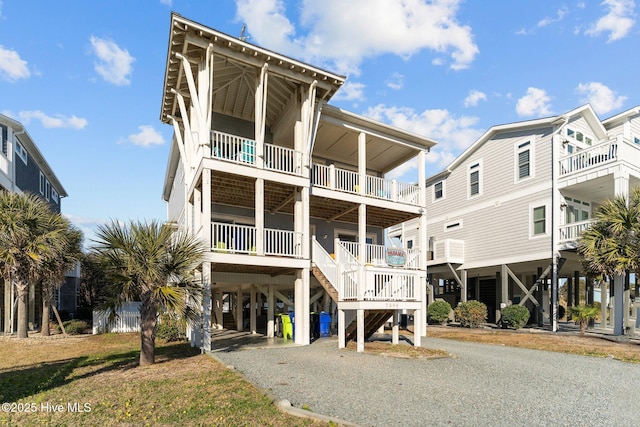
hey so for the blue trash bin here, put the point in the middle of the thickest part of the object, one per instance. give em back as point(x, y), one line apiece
point(292, 317)
point(325, 324)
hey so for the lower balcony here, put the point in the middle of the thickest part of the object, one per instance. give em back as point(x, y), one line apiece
point(569, 234)
point(243, 239)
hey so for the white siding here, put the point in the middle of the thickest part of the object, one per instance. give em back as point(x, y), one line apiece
point(496, 224)
point(177, 200)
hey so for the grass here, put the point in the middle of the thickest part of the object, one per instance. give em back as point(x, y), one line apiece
point(385, 348)
point(99, 374)
point(563, 343)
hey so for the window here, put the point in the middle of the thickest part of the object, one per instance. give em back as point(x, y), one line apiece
point(475, 184)
point(21, 152)
point(47, 189)
point(54, 195)
point(42, 180)
point(438, 190)
point(523, 158)
point(409, 244)
point(636, 140)
point(3, 139)
point(539, 220)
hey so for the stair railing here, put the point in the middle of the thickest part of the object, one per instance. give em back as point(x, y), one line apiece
point(327, 265)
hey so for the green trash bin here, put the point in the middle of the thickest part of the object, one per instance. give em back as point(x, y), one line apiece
point(287, 327)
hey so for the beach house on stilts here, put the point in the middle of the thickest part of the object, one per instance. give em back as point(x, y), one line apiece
point(289, 193)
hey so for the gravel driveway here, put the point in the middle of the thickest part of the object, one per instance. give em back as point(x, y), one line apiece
point(481, 385)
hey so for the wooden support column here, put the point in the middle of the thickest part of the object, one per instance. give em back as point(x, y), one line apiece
point(618, 305)
point(576, 288)
point(8, 307)
point(360, 330)
point(252, 309)
point(395, 329)
point(217, 307)
point(463, 286)
point(239, 311)
point(206, 307)
point(418, 327)
point(259, 215)
point(569, 286)
point(342, 336)
point(271, 303)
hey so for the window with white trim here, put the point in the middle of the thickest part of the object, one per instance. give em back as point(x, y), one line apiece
point(54, 195)
point(42, 180)
point(524, 160)
point(47, 189)
point(475, 179)
point(3, 140)
point(21, 152)
point(539, 218)
point(438, 190)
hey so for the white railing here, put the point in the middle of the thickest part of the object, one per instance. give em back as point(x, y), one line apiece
point(236, 149)
point(233, 148)
point(282, 242)
point(127, 320)
point(282, 159)
point(380, 285)
point(376, 187)
point(376, 255)
point(588, 158)
point(447, 250)
point(325, 263)
point(241, 239)
point(571, 232)
point(232, 238)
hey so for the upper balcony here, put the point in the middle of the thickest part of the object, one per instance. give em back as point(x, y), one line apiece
point(596, 160)
point(242, 151)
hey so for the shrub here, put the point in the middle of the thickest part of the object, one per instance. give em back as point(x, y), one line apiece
point(471, 313)
point(438, 311)
point(170, 329)
point(514, 316)
point(74, 327)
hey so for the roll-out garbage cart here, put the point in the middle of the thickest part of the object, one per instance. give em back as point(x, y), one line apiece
point(287, 326)
point(325, 324)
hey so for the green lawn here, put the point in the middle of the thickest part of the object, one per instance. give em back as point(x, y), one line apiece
point(95, 381)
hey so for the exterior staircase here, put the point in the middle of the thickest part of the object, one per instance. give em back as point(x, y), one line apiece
point(229, 321)
point(373, 320)
point(326, 284)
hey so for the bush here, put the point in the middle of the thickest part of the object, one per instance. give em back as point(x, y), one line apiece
point(514, 316)
point(74, 327)
point(438, 311)
point(471, 313)
point(170, 329)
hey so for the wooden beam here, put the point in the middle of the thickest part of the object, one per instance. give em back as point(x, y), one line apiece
point(523, 287)
point(343, 213)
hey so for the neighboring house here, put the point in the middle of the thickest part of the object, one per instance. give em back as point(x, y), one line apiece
point(23, 169)
point(288, 192)
point(519, 197)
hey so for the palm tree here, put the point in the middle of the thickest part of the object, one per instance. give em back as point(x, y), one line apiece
point(29, 232)
point(56, 264)
point(611, 245)
point(582, 314)
point(151, 263)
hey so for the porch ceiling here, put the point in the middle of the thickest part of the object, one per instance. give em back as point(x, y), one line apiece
point(596, 190)
point(238, 190)
point(249, 269)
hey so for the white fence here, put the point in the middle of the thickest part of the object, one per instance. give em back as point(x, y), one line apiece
point(127, 320)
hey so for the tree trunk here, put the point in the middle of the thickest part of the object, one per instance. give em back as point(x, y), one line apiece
point(23, 313)
point(46, 303)
point(148, 319)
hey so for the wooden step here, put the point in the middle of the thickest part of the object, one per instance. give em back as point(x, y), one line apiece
point(229, 321)
point(326, 284)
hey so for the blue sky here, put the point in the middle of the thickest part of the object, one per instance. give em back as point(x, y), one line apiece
point(85, 77)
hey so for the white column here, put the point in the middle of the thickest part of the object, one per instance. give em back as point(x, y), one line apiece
point(423, 241)
point(217, 298)
point(395, 329)
point(417, 328)
point(260, 113)
point(206, 307)
point(302, 314)
point(620, 303)
point(360, 330)
point(239, 304)
point(259, 215)
point(252, 309)
point(271, 303)
point(342, 343)
point(463, 289)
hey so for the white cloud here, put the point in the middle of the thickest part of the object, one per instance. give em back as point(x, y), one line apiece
point(396, 82)
point(560, 14)
point(12, 67)
point(618, 22)
point(167, 2)
point(114, 63)
point(350, 92)
point(50, 122)
point(474, 97)
point(453, 134)
point(535, 103)
point(602, 99)
point(342, 34)
point(88, 226)
point(146, 137)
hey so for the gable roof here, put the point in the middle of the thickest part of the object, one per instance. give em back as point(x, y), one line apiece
point(585, 111)
point(621, 117)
